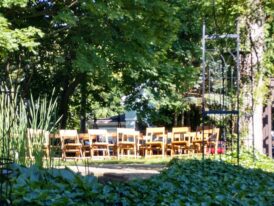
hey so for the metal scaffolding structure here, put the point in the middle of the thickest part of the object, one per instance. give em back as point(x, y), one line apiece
point(221, 84)
point(5, 154)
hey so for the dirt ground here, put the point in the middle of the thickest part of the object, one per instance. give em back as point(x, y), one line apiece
point(118, 172)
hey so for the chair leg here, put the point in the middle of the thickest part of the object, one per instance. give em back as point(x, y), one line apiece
point(146, 151)
point(118, 152)
point(92, 152)
point(81, 153)
point(63, 154)
point(107, 151)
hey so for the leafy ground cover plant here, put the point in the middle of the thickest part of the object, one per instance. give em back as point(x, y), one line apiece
point(193, 182)
point(184, 182)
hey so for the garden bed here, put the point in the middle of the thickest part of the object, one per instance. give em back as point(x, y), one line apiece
point(184, 182)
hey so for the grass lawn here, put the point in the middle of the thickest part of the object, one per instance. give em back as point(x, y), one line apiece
point(246, 160)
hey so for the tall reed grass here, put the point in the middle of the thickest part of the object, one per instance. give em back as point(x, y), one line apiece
point(16, 116)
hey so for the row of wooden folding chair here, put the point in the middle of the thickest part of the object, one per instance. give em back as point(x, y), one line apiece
point(185, 141)
point(129, 143)
point(96, 143)
point(181, 140)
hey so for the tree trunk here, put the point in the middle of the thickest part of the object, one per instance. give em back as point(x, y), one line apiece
point(84, 96)
point(64, 105)
point(68, 90)
point(175, 118)
point(253, 65)
point(183, 118)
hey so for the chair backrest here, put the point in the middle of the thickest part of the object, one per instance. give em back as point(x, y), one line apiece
point(125, 130)
point(36, 137)
point(200, 128)
point(180, 129)
point(38, 133)
point(178, 133)
point(127, 135)
point(69, 134)
point(155, 134)
point(191, 136)
point(112, 137)
point(211, 134)
point(98, 136)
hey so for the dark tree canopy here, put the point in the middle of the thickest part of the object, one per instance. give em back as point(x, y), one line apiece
point(95, 52)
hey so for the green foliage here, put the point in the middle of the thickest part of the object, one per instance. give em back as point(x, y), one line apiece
point(117, 45)
point(67, 17)
point(53, 187)
point(10, 3)
point(184, 182)
point(12, 39)
point(269, 36)
point(122, 47)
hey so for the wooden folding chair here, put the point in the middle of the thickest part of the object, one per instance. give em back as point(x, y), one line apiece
point(55, 145)
point(112, 142)
point(36, 137)
point(179, 143)
point(212, 138)
point(141, 145)
point(99, 145)
point(194, 142)
point(127, 142)
point(70, 143)
point(155, 141)
point(85, 140)
point(210, 135)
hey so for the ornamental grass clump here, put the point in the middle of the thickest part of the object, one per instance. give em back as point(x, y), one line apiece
point(16, 116)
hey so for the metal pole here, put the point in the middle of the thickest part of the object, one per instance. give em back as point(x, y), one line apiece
point(203, 92)
point(238, 94)
point(252, 108)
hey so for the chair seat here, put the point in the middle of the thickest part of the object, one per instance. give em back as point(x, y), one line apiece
point(124, 146)
point(180, 145)
point(100, 149)
point(72, 150)
point(99, 144)
point(73, 145)
point(179, 142)
point(154, 143)
point(126, 143)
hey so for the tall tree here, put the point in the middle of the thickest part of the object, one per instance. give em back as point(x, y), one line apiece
point(109, 41)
